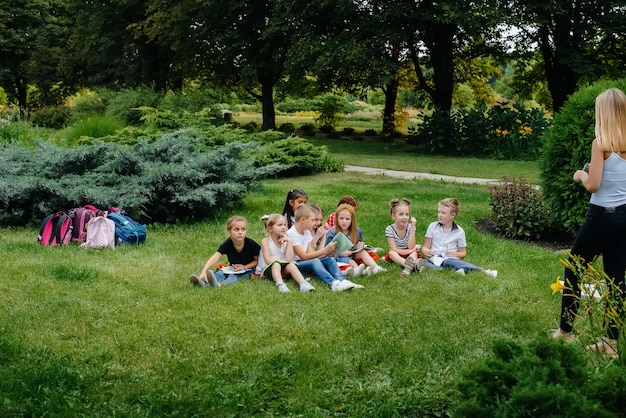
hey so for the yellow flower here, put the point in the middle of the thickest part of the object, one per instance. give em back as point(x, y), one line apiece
point(557, 286)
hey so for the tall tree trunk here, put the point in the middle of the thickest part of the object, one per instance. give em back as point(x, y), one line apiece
point(21, 88)
point(562, 80)
point(389, 112)
point(267, 103)
point(439, 38)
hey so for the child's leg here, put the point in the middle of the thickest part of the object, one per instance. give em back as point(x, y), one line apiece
point(396, 258)
point(294, 272)
point(277, 273)
point(365, 258)
point(331, 266)
point(231, 278)
point(316, 267)
point(457, 264)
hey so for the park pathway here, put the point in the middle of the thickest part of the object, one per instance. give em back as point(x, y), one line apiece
point(410, 175)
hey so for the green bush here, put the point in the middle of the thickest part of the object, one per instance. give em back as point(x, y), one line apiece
point(95, 126)
point(287, 128)
point(503, 131)
point(54, 117)
point(518, 209)
point(308, 129)
point(544, 378)
point(125, 105)
point(567, 147)
point(302, 157)
point(169, 180)
point(331, 108)
point(296, 105)
point(87, 103)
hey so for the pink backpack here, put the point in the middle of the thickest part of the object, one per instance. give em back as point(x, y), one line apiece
point(80, 217)
point(100, 233)
point(55, 230)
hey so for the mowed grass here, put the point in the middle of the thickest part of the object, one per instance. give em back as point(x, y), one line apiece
point(405, 157)
point(122, 332)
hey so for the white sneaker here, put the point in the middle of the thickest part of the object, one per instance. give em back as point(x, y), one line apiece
point(492, 273)
point(368, 271)
point(353, 285)
point(306, 286)
point(378, 269)
point(341, 285)
point(349, 272)
point(360, 270)
point(282, 288)
point(409, 265)
point(460, 271)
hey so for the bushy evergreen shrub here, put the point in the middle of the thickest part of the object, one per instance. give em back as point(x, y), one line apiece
point(54, 117)
point(301, 156)
point(518, 209)
point(544, 378)
point(308, 129)
point(296, 105)
point(287, 128)
point(171, 179)
point(331, 108)
point(125, 105)
point(567, 147)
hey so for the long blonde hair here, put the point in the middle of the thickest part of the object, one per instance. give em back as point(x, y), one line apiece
point(353, 235)
point(610, 127)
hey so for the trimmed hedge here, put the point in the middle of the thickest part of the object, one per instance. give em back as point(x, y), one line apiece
point(567, 147)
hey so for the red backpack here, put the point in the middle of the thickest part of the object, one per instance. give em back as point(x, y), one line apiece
point(56, 230)
point(80, 217)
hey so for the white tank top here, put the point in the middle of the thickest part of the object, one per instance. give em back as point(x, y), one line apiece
point(612, 191)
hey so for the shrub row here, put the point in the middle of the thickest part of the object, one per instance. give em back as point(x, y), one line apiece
point(504, 131)
point(181, 176)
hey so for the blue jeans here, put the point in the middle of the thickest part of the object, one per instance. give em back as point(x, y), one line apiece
point(221, 277)
point(602, 232)
point(453, 263)
point(325, 269)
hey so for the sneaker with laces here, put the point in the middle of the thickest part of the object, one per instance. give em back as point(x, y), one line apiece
point(460, 271)
point(492, 273)
point(352, 285)
point(368, 271)
point(282, 288)
point(306, 286)
point(196, 281)
point(360, 270)
point(378, 269)
point(419, 265)
point(349, 272)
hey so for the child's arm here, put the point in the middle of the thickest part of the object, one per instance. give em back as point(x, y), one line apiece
point(265, 249)
point(289, 253)
point(460, 253)
point(426, 247)
point(210, 263)
point(310, 254)
point(412, 243)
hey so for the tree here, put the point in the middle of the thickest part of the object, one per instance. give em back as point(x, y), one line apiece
point(31, 31)
point(238, 44)
point(576, 41)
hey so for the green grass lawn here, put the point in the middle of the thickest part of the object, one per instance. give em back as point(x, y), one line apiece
point(405, 157)
point(122, 332)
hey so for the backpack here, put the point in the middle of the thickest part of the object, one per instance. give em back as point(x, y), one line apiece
point(80, 218)
point(127, 230)
point(55, 230)
point(100, 233)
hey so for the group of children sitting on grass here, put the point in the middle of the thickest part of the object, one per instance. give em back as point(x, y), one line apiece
point(298, 244)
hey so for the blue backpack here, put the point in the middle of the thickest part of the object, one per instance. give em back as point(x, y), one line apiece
point(127, 230)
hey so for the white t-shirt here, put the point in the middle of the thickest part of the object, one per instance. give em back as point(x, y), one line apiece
point(442, 241)
point(299, 239)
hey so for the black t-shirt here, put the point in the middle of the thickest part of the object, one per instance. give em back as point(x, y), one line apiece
point(248, 253)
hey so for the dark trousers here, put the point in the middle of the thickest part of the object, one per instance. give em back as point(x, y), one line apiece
point(602, 233)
